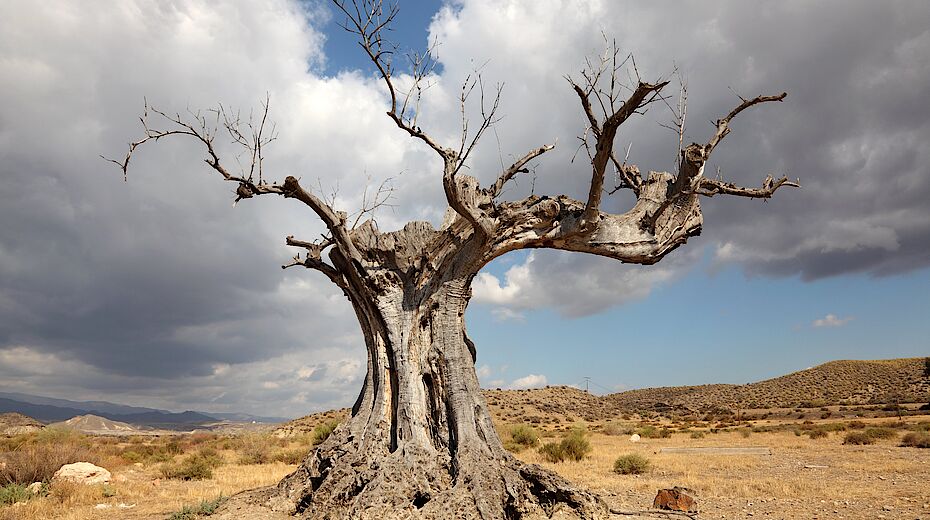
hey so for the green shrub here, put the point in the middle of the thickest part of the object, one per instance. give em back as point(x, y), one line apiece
point(323, 431)
point(524, 436)
point(12, 493)
point(916, 440)
point(575, 444)
point(205, 508)
point(552, 452)
point(651, 432)
point(631, 464)
point(858, 438)
point(881, 433)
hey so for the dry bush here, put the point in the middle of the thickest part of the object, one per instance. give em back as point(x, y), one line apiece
point(697, 435)
point(632, 464)
point(38, 460)
point(855, 425)
point(817, 434)
point(613, 428)
point(255, 448)
point(858, 438)
point(199, 466)
point(881, 433)
point(916, 440)
point(294, 456)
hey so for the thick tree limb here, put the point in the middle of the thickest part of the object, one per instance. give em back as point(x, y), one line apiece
point(644, 94)
point(711, 187)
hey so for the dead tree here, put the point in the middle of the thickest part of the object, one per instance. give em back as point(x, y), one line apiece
point(420, 442)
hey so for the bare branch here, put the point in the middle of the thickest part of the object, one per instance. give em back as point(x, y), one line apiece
point(313, 259)
point(723, 125)
point(517, 167)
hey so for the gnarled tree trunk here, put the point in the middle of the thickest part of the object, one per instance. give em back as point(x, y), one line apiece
point(420, 442)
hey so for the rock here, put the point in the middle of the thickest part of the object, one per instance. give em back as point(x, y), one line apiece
point(82, 473)
point(635, 437)
point(674, 499)
point(34, 488)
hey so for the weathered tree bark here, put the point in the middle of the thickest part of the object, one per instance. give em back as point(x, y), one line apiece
point(420, 442)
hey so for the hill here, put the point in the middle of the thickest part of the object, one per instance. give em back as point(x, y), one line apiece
point(17, 423)
point(96, 425)
point(52, 410)
point(833, 383)
point(836, 382)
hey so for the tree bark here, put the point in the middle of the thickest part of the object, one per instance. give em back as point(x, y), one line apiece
point(420, 442)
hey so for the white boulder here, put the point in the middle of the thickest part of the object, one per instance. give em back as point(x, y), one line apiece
point(82, 473)
point(635, 437)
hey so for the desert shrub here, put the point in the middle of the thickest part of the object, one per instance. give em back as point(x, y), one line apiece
point(922, 426)
point(651, 432)
point(552, 452)
point(255, 449)
point(855, 425)
point(631, 464)
point(858, 438)
point(199, 466)
point(817, 434)
point(295, 456)
point(825, 415)
point(927, 367)
point(39, 462)
point(575, 445)
point(613, 428)
point(523, 435)
point(12, 493)
point(323, 431)
point(916, 440)
point(205, 508)
point(881, 433)
point(697, 435)
point(745, 433)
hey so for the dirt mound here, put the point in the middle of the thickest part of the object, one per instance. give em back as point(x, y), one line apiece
point(97, 425)
point(16, 423)
point(836, 382)
point(552, 407)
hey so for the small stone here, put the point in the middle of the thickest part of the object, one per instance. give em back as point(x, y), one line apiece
point(34, 488)
point(887, 508)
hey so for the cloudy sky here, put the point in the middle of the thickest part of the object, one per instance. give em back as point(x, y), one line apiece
point(156, 291)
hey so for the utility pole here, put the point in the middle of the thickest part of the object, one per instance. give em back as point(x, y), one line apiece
point(586, 381)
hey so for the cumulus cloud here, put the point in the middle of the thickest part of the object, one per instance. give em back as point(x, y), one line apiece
point(529, 381)
point(158, 290)
point(831, 320)
point(575, 285)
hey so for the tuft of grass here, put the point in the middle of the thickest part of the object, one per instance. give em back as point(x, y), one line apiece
point(323, 431)
point(916, 440)
point(574, 446)
point(817, 434)
point(697, 435)
point(205, 508)
point(632, 464)
point(255, 448)
point(12, 493)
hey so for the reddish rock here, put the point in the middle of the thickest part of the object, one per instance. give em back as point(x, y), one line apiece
point(674, 499)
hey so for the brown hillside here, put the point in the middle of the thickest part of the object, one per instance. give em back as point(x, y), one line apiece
point(836, 382)
point(559, 407)
point(16, 423)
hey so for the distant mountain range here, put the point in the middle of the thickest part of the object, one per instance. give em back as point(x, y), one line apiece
point(48, 409)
